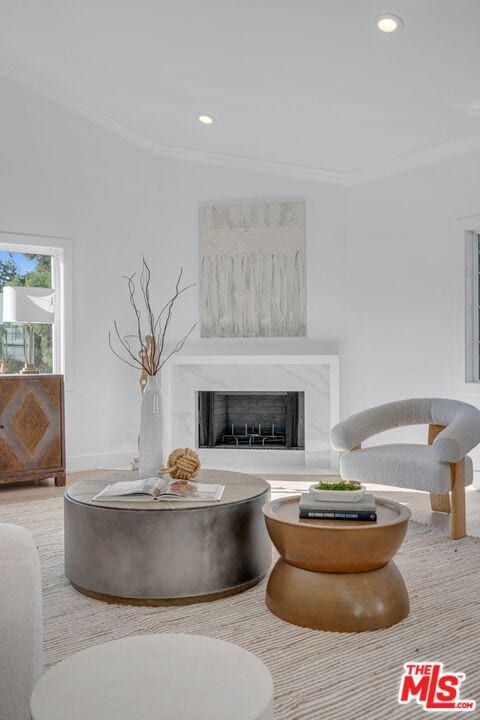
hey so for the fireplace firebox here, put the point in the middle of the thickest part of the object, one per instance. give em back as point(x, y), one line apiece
point(252, 420)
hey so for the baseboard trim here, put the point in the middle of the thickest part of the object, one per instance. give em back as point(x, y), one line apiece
point(100, 461)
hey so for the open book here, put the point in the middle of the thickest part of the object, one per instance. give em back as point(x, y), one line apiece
point(160, 488)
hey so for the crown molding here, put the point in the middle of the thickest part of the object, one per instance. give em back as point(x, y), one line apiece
point(173, 152)
point(358, 176)
point(414, 159)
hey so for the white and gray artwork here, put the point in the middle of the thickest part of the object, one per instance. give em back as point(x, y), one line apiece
point(252, 275)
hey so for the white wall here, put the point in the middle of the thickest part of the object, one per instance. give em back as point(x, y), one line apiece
point(405, 277)
point(61, 176)
point(384, 262)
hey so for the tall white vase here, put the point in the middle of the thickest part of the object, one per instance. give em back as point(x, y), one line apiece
point(150, 444)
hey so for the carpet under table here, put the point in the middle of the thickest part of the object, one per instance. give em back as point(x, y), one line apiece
point(317, 675)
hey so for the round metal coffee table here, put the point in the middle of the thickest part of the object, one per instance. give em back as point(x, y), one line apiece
point(167, 552)
point(337, 575)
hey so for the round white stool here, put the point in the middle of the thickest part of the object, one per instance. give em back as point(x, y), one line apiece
point(156, 677)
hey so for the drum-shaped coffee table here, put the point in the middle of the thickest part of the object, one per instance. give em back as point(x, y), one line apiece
point(337, 575)
point(167, 552)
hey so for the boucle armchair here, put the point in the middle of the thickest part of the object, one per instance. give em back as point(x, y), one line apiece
point(441, 468)
point(20, 621)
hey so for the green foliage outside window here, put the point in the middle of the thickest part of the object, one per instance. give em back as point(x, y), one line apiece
point(39, 276)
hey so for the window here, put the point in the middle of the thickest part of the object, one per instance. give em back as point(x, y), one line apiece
point(29, 322)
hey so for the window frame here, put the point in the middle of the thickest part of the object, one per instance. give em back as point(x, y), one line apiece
point(472, 309)
point(61, 250)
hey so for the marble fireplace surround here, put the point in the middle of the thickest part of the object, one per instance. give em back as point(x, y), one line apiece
point(315, 375)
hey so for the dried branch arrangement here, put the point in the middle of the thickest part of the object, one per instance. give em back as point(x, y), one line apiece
point(146, 349)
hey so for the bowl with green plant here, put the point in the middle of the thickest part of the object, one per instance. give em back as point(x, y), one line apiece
point(337, 490)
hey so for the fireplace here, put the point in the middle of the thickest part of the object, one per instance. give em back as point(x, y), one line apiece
point(251, 420)
point(312, 379)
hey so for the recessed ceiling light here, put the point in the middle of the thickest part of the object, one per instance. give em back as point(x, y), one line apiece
point(205, 119)
point(388, 23)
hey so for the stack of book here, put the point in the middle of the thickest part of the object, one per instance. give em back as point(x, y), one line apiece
point(364, 509)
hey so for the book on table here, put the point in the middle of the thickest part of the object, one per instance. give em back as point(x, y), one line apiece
point(311, 509)
point(161, 488)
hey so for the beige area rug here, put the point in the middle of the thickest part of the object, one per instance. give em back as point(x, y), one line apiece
point(317, 675)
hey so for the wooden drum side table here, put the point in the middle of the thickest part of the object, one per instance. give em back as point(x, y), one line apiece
point(337, 575)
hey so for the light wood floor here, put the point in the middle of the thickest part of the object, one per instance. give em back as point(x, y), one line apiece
point(418, 502)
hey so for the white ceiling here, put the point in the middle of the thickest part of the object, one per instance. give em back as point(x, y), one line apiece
point(307, 86)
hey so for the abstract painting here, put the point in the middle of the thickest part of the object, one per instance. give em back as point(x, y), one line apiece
point(252, 275)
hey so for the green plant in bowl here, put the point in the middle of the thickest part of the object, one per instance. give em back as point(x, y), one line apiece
point(343, 485)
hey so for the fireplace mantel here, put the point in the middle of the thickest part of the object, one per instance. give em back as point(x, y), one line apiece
point(317, 376)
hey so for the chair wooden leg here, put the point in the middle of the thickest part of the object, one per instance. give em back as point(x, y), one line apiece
point(433, 431)
point(443, 503)
point(440, 503)
point(458, 519)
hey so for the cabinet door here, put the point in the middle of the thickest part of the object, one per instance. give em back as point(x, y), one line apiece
point(30, 423)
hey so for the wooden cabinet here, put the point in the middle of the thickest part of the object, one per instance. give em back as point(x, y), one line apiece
point(32, 428)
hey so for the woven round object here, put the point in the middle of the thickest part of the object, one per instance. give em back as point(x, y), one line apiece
point(183, 464)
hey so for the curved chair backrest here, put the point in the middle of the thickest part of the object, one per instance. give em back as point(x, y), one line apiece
point(461, 421)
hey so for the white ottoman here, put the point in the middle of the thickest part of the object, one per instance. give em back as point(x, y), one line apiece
point(20, 621)
point(156, 677)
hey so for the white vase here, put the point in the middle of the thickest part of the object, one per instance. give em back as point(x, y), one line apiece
point(150, 442)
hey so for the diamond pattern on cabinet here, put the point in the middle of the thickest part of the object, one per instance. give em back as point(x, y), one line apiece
point(30, 423)
point(31, 427)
